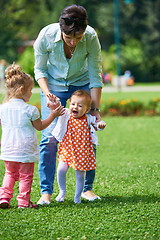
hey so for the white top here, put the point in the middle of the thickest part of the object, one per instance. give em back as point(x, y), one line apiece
point(61, 127)
point(19, 140)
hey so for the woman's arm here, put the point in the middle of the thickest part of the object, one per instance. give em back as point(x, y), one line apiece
point(43, 83)
point(41, 58)
point(96, 96)
point(94, 59)
point(94, 71)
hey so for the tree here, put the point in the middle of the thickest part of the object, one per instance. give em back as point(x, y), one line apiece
point(140, 20)
point(22, 20)
point(9, 40)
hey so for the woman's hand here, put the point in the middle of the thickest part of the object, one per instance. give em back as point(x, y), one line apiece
point(96, 114)
point(53, 101)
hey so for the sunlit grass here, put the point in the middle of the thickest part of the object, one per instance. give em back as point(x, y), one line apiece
point(141, 96)
point(127, 180)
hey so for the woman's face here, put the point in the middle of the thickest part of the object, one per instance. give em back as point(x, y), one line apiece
point(72, 40)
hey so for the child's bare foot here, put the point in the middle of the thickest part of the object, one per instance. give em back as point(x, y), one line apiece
point(89, 195)
point(45, 199)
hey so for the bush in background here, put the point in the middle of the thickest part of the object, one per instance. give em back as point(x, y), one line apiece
point(26, 61)
point(132, 58)
point(130, 107)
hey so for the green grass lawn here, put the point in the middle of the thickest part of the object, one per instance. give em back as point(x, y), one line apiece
point(127, 179)
point(147, 83)
point(141, 96)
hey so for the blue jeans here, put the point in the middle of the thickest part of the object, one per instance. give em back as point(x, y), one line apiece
point(48, 146)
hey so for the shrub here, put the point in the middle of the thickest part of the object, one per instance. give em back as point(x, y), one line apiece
point(26, 61)
point(130, 107)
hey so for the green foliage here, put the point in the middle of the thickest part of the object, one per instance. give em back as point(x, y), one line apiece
point(132, 54)
point(26, 61)
point(139, 37)
point(127, 107)
point(138, 26)
point(143, 20)
point(130, 104)
point(109, 61)
point(131, 57)
point(104, 22)
point(9, 40)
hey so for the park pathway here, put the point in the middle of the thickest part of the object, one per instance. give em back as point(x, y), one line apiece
point(132, 89)
point(123, 89)
point(108, 88)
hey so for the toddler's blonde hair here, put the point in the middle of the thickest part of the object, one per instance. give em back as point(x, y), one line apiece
point(16, 79)
point(84, 94)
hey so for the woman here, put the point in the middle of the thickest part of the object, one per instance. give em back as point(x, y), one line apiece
point(67, 58)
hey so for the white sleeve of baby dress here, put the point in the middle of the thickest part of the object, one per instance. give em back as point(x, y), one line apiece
point(92, 126)
point(61, 126)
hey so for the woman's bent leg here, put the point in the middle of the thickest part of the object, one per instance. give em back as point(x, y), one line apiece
point(90, 176)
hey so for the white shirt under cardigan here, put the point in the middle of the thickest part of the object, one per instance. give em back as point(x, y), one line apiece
point(19, 140)
point(61, 127)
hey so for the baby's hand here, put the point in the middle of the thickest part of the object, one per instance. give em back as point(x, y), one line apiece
point(58, 111)
point(53, 101)
point(101, 125)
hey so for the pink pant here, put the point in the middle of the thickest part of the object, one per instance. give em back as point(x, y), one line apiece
point(18, 171)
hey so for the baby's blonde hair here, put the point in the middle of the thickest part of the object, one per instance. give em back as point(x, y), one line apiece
point(84, 94)
point(16, 78)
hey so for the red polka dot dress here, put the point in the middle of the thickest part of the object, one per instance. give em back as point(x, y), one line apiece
point(76, 146)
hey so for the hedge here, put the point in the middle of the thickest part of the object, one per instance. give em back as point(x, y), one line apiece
point(130, 107)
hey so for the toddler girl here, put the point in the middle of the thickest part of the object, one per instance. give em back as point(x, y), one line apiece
point(19, 146)
point(76, 133)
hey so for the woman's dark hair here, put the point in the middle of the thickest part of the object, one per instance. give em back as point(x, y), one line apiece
point(73, 20)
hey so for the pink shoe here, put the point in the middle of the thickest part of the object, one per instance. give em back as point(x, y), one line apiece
point(31, 205)
point(4, 203)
